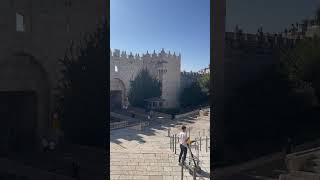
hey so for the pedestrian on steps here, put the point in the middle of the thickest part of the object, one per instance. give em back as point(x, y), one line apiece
point(183, 145)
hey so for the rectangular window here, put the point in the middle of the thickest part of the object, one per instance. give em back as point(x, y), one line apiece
point(116, 68)
point(20, 26)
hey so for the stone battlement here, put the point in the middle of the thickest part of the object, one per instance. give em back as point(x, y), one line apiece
point(264, 37)
point(259, 42)
point(124, 56)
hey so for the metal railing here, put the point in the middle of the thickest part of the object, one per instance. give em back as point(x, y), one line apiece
point(204, 143)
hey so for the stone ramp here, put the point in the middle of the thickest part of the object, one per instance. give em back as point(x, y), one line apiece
point(146, 166)
point(147, 155)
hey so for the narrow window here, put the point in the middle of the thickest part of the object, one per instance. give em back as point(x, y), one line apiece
point(20, 26)
point(68, 27)
point(116, 68)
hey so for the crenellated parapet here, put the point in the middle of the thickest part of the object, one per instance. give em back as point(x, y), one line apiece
point(123, 55)
point(266, 39)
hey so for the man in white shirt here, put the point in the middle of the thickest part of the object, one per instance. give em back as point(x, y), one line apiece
point(183, 145)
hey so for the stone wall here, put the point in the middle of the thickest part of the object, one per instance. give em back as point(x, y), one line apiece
point(29, 59)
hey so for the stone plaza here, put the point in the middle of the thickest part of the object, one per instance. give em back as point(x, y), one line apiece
point(146, 154)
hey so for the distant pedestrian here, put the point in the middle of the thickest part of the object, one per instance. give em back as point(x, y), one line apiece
point(183, 145)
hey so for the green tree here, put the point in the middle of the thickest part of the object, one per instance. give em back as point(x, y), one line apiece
point(204, 83)
point(301, 65)
point(83, 90)
point(192, 96)
point(144, 86)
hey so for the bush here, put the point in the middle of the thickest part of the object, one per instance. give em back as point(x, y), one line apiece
point(193, 96)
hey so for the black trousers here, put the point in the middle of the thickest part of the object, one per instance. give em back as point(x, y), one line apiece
point(183, 151)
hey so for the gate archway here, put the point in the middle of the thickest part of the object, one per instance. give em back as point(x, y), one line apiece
point(117, 93)
point(24, 96)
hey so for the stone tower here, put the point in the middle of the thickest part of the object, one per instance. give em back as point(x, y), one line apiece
point(163, 66)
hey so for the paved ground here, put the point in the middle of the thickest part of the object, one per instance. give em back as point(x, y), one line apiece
point(146, 154)
point(59, 163)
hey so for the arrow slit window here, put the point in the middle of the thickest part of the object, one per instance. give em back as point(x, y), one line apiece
point(20, 25)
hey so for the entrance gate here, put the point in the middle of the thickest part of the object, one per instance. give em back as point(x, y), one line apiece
point(18, 120)
point(115, 100)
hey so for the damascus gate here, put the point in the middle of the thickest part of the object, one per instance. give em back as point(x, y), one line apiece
point(164, 66)
point(34, 35)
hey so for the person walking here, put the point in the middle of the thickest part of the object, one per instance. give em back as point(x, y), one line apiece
point(183, 145)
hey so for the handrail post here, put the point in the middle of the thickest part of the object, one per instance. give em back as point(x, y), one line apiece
point(181, 172)
point(172, 143)
point(206, 143)
point(175, 144)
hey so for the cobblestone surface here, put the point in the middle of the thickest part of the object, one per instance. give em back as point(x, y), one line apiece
point(147, 155)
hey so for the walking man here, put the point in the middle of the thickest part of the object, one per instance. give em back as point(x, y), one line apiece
point(183, 145)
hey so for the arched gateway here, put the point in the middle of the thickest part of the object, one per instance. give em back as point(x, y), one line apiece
point(24, 102)
point(117, 93)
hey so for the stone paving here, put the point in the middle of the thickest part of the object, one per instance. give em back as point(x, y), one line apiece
point(147, 155)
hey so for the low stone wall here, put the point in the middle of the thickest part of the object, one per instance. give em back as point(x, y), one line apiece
point(118, 125)
point(296, 161)
point(122, 117)
point(299, 175)
point(191, 113)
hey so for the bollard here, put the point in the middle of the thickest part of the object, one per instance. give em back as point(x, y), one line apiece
point(204, 132)
point(206, 143)
point(200, 143)
point(199, 134)
point(175, 144)
point(194, 172)
point(168, 132)
point(170, 142)
point(181, 172)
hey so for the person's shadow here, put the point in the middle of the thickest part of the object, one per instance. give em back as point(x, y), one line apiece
point(204, 174)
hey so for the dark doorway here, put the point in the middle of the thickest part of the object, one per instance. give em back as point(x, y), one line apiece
point(18, 119)
point(115, 100)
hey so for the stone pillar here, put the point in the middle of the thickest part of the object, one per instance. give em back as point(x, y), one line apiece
point(218, 10)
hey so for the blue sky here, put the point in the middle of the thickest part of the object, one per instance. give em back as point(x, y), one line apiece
point(181, 26)
point(273, 15)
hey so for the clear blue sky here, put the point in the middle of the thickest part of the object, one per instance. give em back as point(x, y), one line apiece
point(182, 26)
